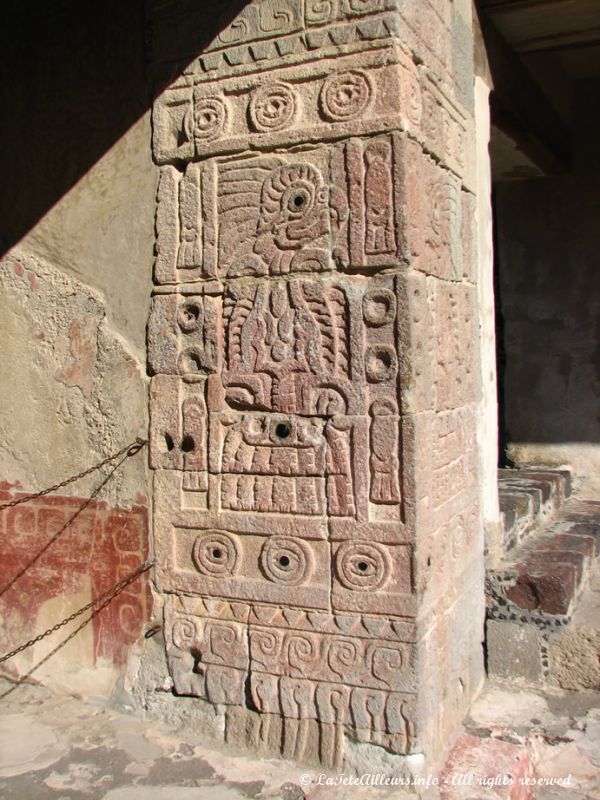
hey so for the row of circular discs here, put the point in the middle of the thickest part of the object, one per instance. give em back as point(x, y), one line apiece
point(275, 107)
point(359, 566)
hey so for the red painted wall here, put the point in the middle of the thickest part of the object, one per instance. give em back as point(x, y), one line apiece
point(102, 545)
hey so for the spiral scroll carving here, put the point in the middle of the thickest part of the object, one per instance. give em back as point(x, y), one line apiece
point(273, 108)
point(346, 95)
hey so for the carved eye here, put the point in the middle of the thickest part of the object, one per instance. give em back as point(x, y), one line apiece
point(216, 554)
point(362, 566)
point(286, 561)
point(298, 201)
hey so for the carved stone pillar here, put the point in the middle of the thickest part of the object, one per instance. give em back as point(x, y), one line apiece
point(313, 346)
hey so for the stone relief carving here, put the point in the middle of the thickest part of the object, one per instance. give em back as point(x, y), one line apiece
point(210, 118)
point(287, 347)
point(345, 95)
point(284, 553)
point(384, 461)
point(321, 12)
point(380, 90)
point(261, 19)
point(273, 107)
point(379, 205)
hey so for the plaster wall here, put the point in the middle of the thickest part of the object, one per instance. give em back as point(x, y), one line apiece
point(548, 244)
point(76, 225)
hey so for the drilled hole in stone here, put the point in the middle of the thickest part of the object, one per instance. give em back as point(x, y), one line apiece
point(169, 442)
point(299, 201)
point(188, 445)
point(217, 553)
point(363, 566)
point(284, 561)
point(283, 430)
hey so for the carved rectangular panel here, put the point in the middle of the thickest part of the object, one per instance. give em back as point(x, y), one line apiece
point(363, 93)
point(356, 681)
point(283, 543)
point(341, 207)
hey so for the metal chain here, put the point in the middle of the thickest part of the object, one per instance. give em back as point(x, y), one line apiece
point(131, 450)
point(125, 453)
point(101, 601)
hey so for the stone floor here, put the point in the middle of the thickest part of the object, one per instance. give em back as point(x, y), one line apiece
point(59, 748)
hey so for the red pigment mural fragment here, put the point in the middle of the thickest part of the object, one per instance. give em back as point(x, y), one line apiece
point(98, 548)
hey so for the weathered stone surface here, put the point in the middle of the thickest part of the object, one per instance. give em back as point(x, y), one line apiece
point(490, 768)
point(513, 651)
point(312, 345)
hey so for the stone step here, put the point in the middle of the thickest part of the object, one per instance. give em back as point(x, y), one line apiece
point(534, 597)
point(529, 498)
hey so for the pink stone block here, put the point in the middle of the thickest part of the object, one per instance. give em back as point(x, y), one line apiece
point(486, 768)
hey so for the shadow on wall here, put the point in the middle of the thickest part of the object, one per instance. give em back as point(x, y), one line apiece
point(548, 242)
point(75, 77)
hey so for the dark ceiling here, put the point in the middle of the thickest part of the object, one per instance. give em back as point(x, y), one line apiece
point(557, 44)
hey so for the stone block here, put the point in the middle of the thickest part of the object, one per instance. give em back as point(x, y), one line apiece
point(183, 335)
point(343, 96)
point(546, 583)
point(513, 651)
point(416, 342)
point(456, 361)
point(442, 555)
point(573, 656)
point(469, 236)
point(185, 225)
point(432, 213)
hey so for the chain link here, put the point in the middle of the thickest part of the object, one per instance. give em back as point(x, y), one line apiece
point(124, 453)
point(130, 450)
point(101, 601)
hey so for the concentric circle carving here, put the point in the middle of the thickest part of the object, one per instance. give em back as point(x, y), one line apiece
point(273, 108)
point(346, 95)
point(362, 566)
point(216, 554)
point(379, 307)
point(286, 561)
point(381, 363)
point(210, 118)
